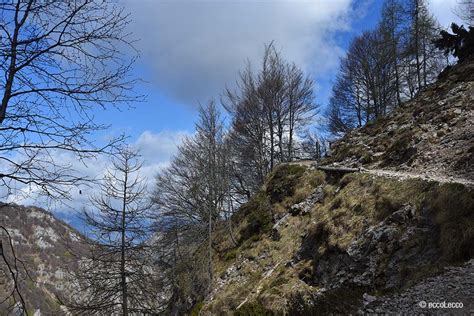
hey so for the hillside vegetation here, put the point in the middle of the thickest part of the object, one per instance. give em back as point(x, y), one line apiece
point(335, 239)
point(323, 242)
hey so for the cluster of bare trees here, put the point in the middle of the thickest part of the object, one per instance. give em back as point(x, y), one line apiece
point(219, 168)
point(268, 109)
point(386, 66)
point(190, 196)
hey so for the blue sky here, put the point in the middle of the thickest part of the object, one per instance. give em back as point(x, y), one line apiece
point(174, 93)
point(165, 110)
point(190, 50)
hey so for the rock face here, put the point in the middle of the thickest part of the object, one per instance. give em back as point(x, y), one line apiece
point(48, 247)
point(375, 257)
point(304, 207)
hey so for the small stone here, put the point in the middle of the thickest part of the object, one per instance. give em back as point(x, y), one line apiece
point(368, 298)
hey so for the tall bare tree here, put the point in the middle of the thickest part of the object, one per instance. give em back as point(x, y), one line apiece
point(299, 105)
point(268, 108)
point(58, 62)
point(118, 276)
point(422, 31)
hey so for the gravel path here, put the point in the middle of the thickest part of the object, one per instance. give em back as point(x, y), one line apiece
point(432, 296)
point(402, 175)
point(411, 175)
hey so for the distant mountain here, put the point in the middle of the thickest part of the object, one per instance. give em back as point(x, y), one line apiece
point(49, 249)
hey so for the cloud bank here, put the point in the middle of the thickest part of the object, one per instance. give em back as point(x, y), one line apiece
point(192, 49)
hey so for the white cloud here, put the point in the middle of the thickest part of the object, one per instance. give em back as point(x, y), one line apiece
point(159, 147)
point(444, 11)
point(156, 151)
point(194, 48)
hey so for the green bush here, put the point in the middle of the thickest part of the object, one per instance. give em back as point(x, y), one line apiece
point(283, 181)
point(197, 308)
point(253, 309)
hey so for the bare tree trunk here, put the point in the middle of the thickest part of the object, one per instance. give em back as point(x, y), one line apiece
point(424, 64)
point(210, 249)
point(290, 144)
point(272, 141)
point(417, 44)
point(123, 246)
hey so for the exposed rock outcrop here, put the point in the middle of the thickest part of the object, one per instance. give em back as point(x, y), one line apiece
point(451, 292)
point(48, 248)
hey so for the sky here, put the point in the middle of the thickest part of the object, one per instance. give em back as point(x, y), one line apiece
point(190, 50)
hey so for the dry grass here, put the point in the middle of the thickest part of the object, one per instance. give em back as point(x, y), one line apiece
point(351, 205)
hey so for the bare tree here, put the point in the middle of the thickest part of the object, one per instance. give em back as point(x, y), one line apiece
point(190, 198)
point(393, 26)
point(300, 105)
point(421, 33)
point(59, 60)
point(268, 108)
point(119, 275)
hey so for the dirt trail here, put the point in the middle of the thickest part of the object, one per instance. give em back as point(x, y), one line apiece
point(402, 175)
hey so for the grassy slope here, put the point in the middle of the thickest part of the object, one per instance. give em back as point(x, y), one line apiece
point(267, 282)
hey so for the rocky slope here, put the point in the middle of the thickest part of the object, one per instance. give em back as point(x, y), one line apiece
point(48, 247)
point(315, 242)
point(432, 134)
point(454, 287)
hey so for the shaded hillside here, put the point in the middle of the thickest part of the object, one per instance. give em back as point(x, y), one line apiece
point(325, 240)
point(48, 247)
point(432, 133)
point(319, 242)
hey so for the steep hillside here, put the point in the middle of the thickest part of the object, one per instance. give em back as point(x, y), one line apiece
point(48, 247)
point(315, 242)
point(432, 134)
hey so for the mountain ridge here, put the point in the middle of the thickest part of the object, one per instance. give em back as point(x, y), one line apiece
point(49, 248)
